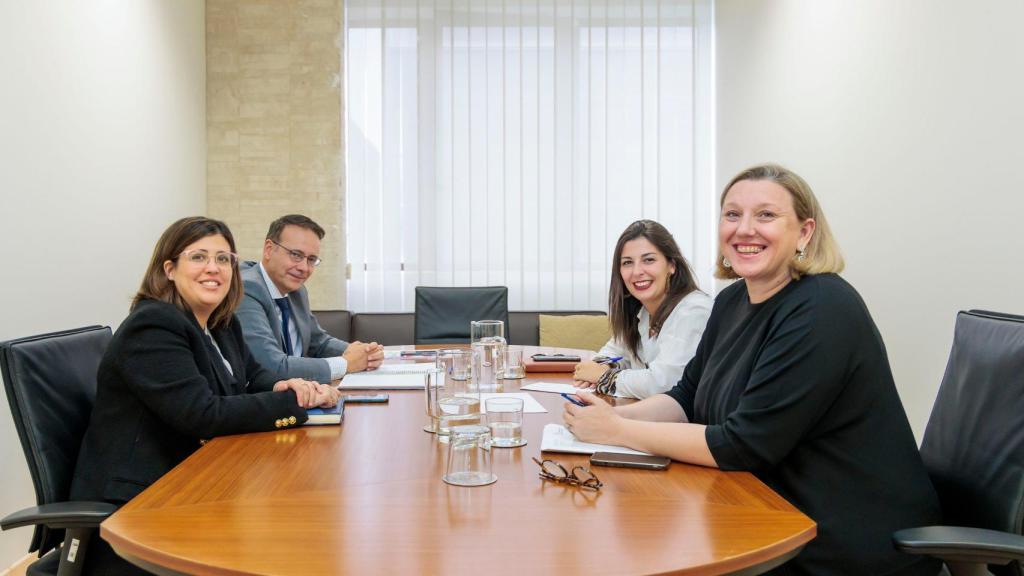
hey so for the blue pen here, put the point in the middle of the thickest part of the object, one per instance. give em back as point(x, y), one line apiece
point(610, 360)
point(573, 399)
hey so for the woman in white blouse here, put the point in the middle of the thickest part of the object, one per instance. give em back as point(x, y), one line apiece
point(657, 316)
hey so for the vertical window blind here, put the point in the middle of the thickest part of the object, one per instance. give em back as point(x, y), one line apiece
point(507, 142)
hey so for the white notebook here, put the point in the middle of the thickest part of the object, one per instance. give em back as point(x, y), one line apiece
point(558, 439)
point(383, 381)
point(406, 368)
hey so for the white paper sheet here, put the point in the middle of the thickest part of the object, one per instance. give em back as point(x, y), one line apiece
point(530, 404)
point(556, 387)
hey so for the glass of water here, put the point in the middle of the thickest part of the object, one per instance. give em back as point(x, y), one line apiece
point(514, 368)
point(505, 419)
point(487, 339)
point(458, 401)
point(434, 382)
point(469, 457)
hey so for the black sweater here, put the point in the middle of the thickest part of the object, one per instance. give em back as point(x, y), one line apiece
point(798, 391)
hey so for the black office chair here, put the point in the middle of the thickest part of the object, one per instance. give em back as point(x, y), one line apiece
point(443, 314)
point(51, 386)
point(974, 450)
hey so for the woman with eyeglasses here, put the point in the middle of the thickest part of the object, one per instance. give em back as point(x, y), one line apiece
point(177, 373)
point(790, 382)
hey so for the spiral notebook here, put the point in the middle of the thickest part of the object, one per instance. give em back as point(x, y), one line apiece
point(377, 380)
point(558, 439)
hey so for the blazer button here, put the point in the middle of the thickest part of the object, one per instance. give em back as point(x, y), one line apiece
point(292, 420)
point(278, 423)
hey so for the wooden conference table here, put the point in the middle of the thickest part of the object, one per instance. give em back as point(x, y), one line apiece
point(367, 497)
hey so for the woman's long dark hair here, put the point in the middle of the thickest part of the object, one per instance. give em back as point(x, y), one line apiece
point(623, 307)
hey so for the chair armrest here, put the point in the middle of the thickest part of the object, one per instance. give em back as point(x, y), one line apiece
point(60, 515)
point(961, 544)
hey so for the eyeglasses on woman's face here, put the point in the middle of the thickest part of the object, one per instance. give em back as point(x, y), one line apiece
point(201, 257)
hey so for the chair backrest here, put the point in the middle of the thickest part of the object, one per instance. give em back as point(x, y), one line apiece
point(50, 382)
point(443, 314)
point(386, 328)
point(337, 323)
point(974, 443)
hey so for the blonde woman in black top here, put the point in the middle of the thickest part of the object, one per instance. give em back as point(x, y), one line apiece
point(790, 382)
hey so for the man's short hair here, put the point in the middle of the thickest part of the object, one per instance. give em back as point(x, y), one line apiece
point(274, 233)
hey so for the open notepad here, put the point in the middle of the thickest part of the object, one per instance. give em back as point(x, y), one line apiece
point(406, 376)
point(558, 439)
point(383, 381)
point(405, 368)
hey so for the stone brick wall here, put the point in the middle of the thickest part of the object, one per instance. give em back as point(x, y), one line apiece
point(274, 127)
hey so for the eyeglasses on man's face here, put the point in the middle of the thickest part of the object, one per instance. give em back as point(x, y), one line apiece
point(579, 476)
point(297, 256)
point(201, 257)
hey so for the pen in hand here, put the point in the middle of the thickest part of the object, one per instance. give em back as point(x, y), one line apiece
point(573, 399)
point(610, 360)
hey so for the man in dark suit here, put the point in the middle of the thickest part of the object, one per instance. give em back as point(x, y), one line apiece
point(279, 327)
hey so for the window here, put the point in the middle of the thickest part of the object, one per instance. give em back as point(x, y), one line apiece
point(506, 142)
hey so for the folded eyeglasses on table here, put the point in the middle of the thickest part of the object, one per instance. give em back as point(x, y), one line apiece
point(579, 476)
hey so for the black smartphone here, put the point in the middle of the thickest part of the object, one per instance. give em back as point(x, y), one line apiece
point(555, 358)
point(630, 460)
point(364, 398)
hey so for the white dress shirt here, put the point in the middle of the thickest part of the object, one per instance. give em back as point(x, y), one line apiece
point(660, 360)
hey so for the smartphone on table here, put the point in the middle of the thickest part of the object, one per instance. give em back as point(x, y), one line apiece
point(630, 460)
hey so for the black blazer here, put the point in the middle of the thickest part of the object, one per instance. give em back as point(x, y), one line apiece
point(161, 388)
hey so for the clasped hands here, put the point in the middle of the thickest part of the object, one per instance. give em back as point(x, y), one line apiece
point(310, 394)
point(361, 356)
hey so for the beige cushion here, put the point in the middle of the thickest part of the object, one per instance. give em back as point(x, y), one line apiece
point(576, 331)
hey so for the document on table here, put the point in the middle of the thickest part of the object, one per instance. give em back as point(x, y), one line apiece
point(557, 388)
point(404, 368)
point(558, 439)
point(530, 404)
point(383, 381)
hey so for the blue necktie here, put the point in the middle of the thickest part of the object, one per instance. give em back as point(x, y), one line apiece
point(286, 311)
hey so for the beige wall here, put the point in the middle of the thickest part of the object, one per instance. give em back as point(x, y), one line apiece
point(274, 124)
point(102, 130)
point(905, 116)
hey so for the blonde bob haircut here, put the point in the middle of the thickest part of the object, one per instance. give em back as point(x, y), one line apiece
point(822, 254)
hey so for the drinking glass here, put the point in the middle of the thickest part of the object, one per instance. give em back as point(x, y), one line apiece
point(480, 329)
point(435, 380)
point(487, 339)
point(514, 368)
point(458, 401)
point(505, 419)
point(469, 457)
